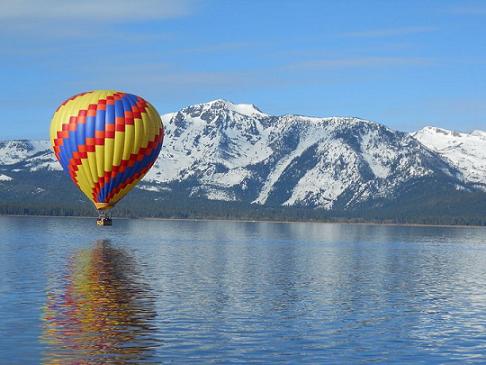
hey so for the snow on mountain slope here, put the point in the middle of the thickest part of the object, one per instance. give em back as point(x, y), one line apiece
point(466, 151)
point(219, 150)
point(14, 151)
point(218, 133)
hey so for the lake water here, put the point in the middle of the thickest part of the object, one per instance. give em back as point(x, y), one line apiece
point(149, 292)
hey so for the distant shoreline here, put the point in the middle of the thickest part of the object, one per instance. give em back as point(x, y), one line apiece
point(310, 221)
point(370, 223)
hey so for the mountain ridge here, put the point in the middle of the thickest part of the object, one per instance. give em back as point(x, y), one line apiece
point(229, 152)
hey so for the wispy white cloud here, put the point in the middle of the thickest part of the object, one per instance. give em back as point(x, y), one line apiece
point(389, 32)
point(358, 62)
point(468, 9)
point(166, 79)
point(219, 47)
point(90, 10)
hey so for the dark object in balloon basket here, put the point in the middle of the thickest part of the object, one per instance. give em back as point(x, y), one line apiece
point(103, 219)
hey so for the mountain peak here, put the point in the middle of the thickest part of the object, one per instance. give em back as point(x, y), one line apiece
point(478, 133)
point(244, 109)
point(466, 151)
point(446, 132)
point(431, 129)
point(436, 132)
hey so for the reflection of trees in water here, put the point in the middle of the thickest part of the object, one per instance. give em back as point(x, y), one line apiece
point(103, 312)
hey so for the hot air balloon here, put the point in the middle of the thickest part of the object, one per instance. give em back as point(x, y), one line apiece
point(106, 141)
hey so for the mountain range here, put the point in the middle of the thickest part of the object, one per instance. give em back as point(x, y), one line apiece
point(236, 154)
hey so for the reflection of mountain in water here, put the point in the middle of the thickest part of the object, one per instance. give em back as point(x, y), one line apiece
point(102, 312)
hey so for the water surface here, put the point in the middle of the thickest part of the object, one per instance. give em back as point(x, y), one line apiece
point(226, 292)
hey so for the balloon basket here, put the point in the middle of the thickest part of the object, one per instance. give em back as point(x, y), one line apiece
point(104, 221)
point(104, 218)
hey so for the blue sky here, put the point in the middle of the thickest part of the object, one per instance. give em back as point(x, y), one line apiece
point(405, 64)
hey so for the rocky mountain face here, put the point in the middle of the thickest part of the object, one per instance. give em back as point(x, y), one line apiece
point(235, 152)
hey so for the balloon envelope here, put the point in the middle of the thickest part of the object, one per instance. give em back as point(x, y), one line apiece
point(106, 141)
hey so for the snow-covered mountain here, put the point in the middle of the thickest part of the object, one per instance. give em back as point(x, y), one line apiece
point(235, 152)
point(32, 155)
point(466, 151)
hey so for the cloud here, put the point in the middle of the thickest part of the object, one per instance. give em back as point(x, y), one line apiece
point(389, 32)
point(358, 62)
point(219, 47)
point(194, 79)
point(91, 10)
point(468, 9)
point(163, 77)
point(38, 24)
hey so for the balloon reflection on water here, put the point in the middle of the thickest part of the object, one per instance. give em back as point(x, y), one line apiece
point(101, 312)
